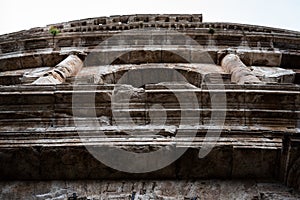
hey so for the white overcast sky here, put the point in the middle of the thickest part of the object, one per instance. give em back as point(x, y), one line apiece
point(17, 15)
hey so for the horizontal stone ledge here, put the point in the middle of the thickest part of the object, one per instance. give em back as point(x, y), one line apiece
point(145, 54)
point(261, 89)
point(145, 140)
point(87, 26)
point(66, 88)
point(26, 123)
point(64, 131)
point(181, 189)
point(194, 145)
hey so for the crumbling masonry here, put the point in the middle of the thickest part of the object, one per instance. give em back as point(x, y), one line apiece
point(255, 68)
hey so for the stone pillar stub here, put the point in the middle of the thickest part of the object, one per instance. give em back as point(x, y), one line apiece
point(67, 68)
point(240, 74)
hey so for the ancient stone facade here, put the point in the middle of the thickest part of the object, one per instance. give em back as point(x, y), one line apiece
point(225, 96)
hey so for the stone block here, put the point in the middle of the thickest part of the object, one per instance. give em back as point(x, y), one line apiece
point(19, 163)
point(270, 100)
point(12, 63)
point(35, 44)
point(145, 56)
point(203, 56)
point(175, 56)
point(217, 164)
point(272, 59)
point(255, 163)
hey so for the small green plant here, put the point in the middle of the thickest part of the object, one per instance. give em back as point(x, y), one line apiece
point(54, 31)
point(211, 31)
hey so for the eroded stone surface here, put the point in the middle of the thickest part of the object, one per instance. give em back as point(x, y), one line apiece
point(192, 73)
point(274, 74)
point(239, 72)
point(146, 190)
point(67, 68)
point(39, 139)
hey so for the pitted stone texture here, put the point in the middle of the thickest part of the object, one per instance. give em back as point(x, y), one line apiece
point(239, 72)
point(67, 68)
point(274, 74)
point(146, 190)
point(260, 57)
point(194, 73)
point(261, 45)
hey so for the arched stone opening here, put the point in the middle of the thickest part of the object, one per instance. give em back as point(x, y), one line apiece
point(152, 75)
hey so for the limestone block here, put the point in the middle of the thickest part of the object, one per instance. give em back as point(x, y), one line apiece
point(202, 56)
point(46, 80)
point(11, 63)
point(293, 164)
point(31, 75)
point(272, 58)
point(216, 164)
point(176, 56)
point(254, 165)
point(145, 189)
point(32, 61)
point(270, 100)
point(23, 160)
point(274, 74)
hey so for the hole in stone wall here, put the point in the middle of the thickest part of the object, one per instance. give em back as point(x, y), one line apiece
point(184, 18)
point(115, 20)
point(124, 19)
point(100, 21)
point(162, 19)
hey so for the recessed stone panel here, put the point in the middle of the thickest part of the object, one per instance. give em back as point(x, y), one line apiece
point(255, 163)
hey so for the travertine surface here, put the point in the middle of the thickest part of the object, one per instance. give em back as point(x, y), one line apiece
point(40, 141)
point(147, 190)
point(240, 74)
point(65, 69)
point(274, 74)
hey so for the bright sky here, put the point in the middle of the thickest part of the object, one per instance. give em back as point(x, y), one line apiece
point(17, 15)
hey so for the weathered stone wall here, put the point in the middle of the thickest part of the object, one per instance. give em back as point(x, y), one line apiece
point(259, 45)
point(39, 139)
point(146, 190)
